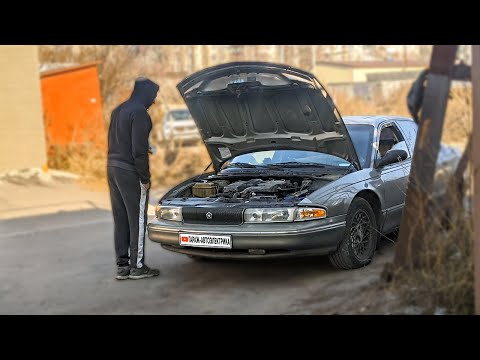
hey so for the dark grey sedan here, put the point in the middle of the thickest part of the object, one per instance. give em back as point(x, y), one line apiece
point(291, 177)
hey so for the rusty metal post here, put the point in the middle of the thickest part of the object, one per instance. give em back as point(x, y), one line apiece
point(409, 244)
point(476, 168)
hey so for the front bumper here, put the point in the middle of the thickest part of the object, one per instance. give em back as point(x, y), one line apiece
point(316, 237)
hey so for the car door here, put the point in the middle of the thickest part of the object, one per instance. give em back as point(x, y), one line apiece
point(393, 176)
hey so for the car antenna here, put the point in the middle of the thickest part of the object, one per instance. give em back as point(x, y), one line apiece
point(208, 166)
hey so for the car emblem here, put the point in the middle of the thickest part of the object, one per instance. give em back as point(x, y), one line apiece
point(209, 215)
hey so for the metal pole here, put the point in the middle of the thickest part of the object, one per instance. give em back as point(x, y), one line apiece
point(476, 167)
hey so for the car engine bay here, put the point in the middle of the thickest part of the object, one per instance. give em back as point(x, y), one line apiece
point(241, 190)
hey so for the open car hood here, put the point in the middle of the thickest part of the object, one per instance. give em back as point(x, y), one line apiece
point(243, 107)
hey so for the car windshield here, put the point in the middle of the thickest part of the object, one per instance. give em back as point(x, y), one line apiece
point(286, 158)
point(180, 114)
point(362, 138)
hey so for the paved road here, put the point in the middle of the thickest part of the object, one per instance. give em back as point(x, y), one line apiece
point(64, 264)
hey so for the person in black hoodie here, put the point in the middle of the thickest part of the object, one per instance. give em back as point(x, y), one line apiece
point(129, 179)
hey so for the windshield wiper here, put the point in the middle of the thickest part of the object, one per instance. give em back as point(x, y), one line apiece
point(243, 165)
point(296, 164)
point(349, 168)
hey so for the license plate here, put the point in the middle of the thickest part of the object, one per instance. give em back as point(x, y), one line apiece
point(204, 240)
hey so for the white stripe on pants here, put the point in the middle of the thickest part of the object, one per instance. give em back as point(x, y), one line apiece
point(141, 225)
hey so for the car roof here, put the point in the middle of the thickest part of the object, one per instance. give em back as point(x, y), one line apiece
point(371, 119)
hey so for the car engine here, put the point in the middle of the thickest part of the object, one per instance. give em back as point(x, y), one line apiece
point(256, 189)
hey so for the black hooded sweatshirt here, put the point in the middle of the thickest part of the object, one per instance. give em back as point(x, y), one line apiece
point(129, 130)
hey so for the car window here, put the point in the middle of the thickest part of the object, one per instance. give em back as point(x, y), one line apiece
point(409, 129)
point(177, 115)
point(389, 137)
point(362, 138)
point(287, 156)
point(402, 145)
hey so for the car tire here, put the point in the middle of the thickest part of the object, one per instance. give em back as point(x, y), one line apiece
point(360, 239)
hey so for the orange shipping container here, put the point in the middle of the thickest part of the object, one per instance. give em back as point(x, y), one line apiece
point(72, 106)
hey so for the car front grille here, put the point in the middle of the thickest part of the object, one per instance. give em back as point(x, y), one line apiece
point(214, 216)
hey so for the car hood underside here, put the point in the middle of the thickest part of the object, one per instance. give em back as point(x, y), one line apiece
point(250, 106)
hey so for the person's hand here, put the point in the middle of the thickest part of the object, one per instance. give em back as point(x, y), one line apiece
point(146, 186)
point(152, 149)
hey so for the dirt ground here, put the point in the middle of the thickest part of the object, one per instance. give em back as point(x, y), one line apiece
point(65, 237)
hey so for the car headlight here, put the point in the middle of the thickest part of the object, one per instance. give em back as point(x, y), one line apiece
point(257, 215)
point(269, 215)
point(172, 213)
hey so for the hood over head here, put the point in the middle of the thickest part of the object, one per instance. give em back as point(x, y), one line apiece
point(244, 107)
point(145, 91)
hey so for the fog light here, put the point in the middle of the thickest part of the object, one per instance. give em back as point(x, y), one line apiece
point(310, 214)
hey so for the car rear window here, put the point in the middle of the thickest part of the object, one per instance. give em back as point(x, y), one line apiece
point(180, 114)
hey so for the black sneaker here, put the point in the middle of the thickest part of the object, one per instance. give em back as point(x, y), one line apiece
point(123, 272)
point(143, 272)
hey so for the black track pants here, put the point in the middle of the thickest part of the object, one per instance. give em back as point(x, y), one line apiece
point(129, 206)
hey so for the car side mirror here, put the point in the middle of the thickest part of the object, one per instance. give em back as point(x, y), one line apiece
point(391, 157)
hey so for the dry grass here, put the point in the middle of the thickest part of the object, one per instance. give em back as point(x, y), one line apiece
point(87, 160)
point(394, 104)
point(445, 277)
point(169, 166)
point(175, 163)
point(458, 119)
